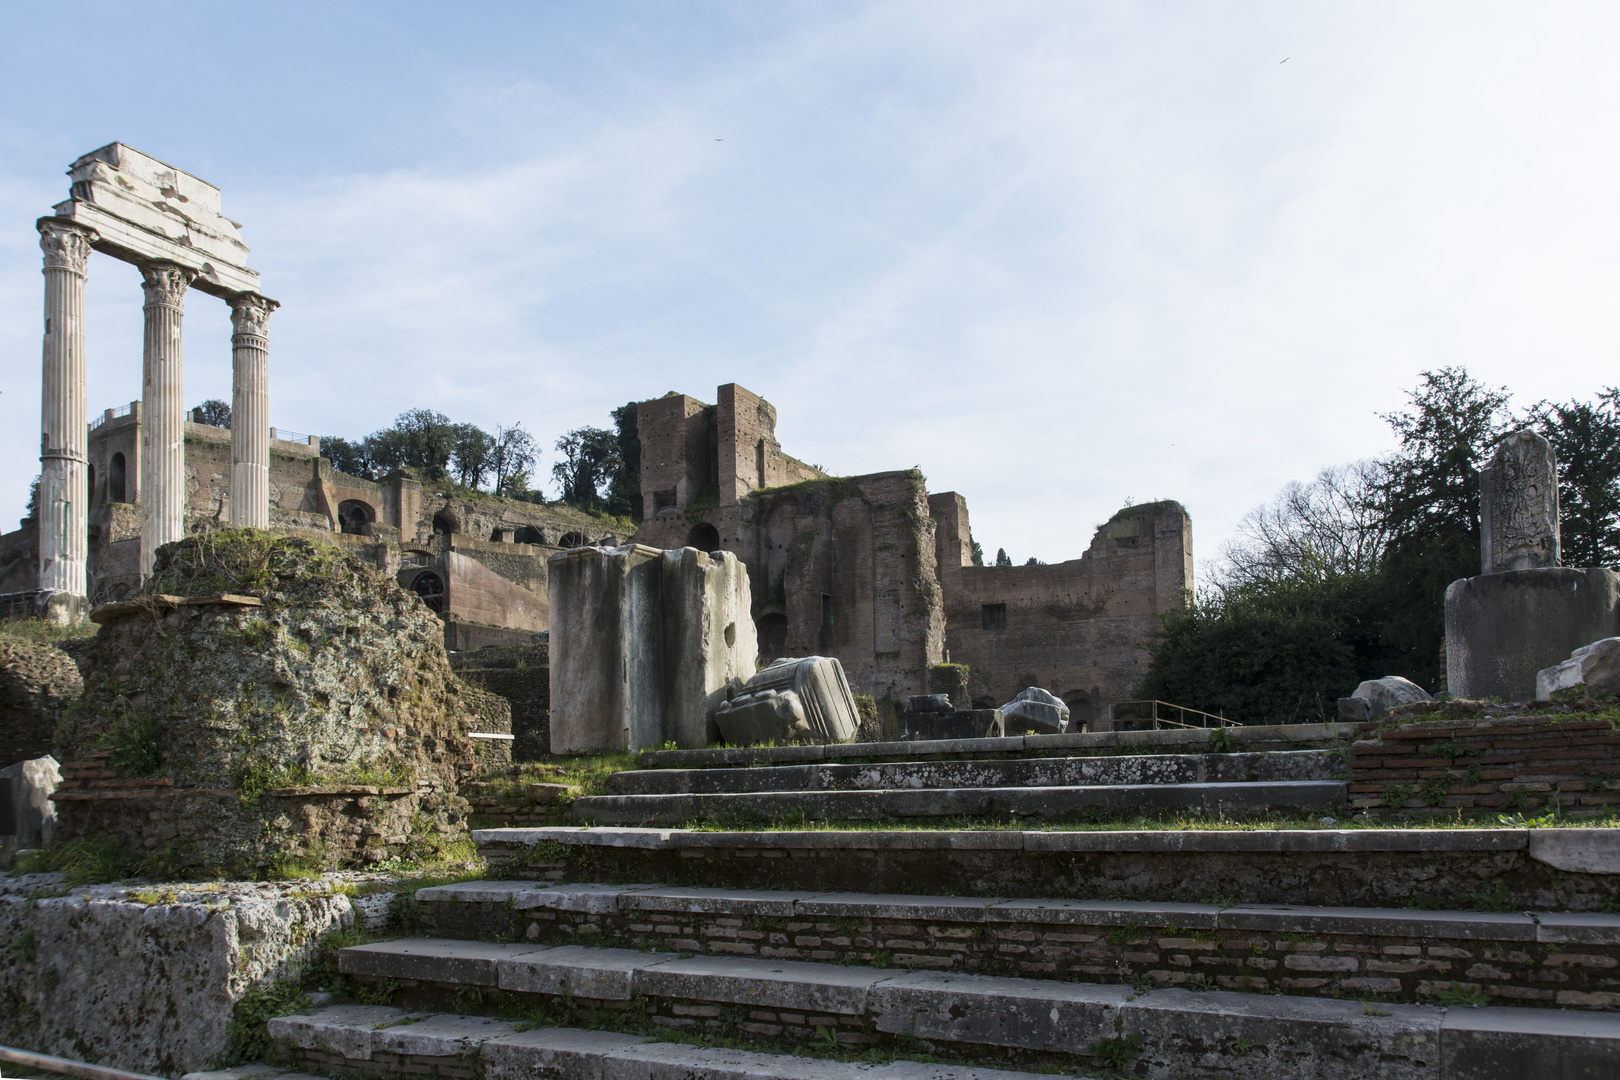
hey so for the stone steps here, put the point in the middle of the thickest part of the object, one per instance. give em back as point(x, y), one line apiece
point(786, 1004)
point(1569, 959)
point(1074, 771)
point(1257, 738)
point(375, 1041)
point(1000, 803)
point(1511, 868)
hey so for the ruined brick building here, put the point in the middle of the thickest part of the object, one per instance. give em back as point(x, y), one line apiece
point(878, 572)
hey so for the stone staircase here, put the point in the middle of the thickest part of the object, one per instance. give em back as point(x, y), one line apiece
point(735, 967)
point(1047, 788)
point(993, 951)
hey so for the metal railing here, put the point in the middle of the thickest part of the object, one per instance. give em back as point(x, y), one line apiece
point(63, 1066)
point(111, 414)
point(289, 436)
point(1154, 707)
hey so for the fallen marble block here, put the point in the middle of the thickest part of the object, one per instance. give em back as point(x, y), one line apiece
point(805, 700)
point(1593, 669)
point(1375, 697)
point(929, 703)
point(1035, 711)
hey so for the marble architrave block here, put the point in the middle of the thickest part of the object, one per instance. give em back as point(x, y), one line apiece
point(644, 643)
point(605, 677)
point(1518, 506)
point(709, 640)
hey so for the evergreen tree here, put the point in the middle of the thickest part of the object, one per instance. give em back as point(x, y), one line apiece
point(1585, 436)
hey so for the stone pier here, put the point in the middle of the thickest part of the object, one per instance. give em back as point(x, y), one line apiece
point(163, 407)
point(64, 486)
point(250, 411)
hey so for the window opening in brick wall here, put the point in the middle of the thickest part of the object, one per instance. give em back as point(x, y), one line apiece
point(993, 616)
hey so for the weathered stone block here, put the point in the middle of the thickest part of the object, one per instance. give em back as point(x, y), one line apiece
point(1375, 697)
point(643, 644)
point(962, 724)
point(35, 813)
point(1518, 506)
point(793, 700)
point(1593, 669)
point(1035, 710)
point(1502, 629)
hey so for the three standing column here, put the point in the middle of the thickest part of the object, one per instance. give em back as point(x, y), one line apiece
point(64, 489)
point(250, 410)
point(163, 411)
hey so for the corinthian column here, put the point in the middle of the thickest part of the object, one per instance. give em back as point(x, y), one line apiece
point(64, 493)
point(163, 411)
point(250, 410)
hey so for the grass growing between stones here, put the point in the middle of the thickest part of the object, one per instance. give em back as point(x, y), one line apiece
point(586, 774)
point(45, 632)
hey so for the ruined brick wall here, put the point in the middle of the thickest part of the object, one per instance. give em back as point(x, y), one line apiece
point(678, 462)
point(521, 675)
point(1078, 628)
point(1505, 763)
point(749, 457)
point(845, 567)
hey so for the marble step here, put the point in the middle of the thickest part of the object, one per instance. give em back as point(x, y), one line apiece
point(1255, 738)
point(1033, 803)
point(343, 1041)
point(783, 1003)
point(1515, 958)
point(1532, 868)
point(1010, 772)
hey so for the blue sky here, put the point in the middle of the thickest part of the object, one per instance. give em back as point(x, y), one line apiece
point(1057, 255)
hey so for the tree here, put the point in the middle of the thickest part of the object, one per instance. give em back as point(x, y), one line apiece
point(511, 457)
point(345, 456)
point(1001, 557)
point(590, 456)
point(426, 441)
point(977, 549)
point(1586, 438)
point(215, 412)
point(471, 453)
point(31, 512)
point(1333, 525)
point(1429, 497)
point(624, 485)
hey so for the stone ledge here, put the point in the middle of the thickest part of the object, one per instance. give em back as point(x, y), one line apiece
point(1588, 928)
point(118, 609)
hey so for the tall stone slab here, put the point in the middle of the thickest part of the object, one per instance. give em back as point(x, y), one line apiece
point(1524, 612)
point(1518, 506)
point(643, 644)
point(709, 639)
point(605, 679)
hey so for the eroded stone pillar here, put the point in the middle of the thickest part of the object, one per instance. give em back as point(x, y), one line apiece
point(163, 411)
point(63, 482)
point(250, 410)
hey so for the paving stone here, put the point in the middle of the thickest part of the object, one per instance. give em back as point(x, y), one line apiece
point(589, 898)
point(984, 1009)
point(473, 892)
point(1287, 918)
point(1287, 1036)
point(765, 984)
point(713, 901)
point(875, 906)
point(438, 1036)
point(1587, 851)
point(579, 971)
point(338, 1029)
point(1106, 913)
point(1496, 1043)
point(1578, 927)
point(555, 1054)
point(430, 959)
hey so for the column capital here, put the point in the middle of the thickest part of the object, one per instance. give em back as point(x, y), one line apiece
point(166, 283)
point(250, 313)
point(66, 244)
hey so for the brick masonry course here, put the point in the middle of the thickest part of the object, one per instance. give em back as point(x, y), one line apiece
point(1507, 763)
point(1518, 869)
point(1562, 959)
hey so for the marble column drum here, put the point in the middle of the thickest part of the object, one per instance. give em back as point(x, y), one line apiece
point(163, 411)
point(64, 488)
point(250, 410)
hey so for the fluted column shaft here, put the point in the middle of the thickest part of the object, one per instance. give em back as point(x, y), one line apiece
point(64, 494)
point(163, 411)
point(250, 410)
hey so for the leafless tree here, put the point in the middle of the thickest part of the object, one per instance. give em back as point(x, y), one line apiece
point(1332, 525)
